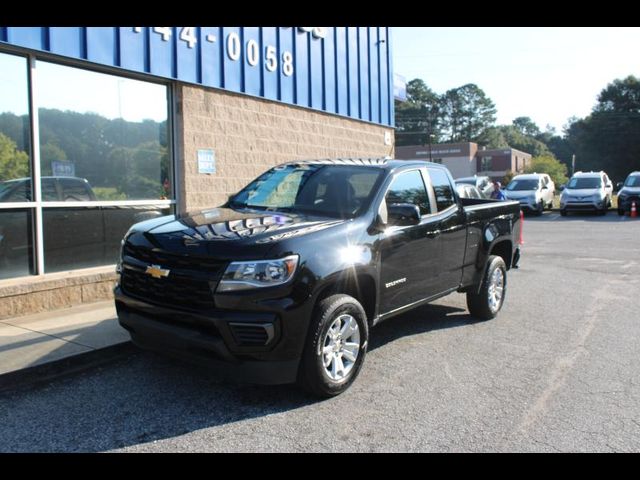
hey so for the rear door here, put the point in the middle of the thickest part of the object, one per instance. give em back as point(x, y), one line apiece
point(409, 254)
point(451, 225)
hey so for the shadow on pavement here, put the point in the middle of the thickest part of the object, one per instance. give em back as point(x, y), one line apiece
point(145, 397)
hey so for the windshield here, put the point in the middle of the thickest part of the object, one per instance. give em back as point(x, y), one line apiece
point(342, 191)
point(584, 182)
point(632, 181)
point(522, 184)
point(467, 181)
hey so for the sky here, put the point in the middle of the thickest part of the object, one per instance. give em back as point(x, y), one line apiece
point(548, 74)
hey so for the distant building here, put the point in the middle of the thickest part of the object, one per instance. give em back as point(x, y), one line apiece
point(467, 159)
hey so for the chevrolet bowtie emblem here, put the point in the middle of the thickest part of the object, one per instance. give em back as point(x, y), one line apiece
point(156, 271)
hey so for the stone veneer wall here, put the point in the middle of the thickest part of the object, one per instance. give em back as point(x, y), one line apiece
point(23, 296)
point(250, 135)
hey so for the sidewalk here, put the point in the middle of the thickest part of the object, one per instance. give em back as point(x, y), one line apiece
point(37, 347)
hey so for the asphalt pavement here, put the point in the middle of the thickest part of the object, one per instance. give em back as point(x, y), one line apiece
point(558, 370)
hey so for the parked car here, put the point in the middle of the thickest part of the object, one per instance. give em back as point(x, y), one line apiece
point(629, 193)
point(587, 191)
point(468, 191)
point(78, 236)
point(482, 183)
point(534, 191)
point(284, 281)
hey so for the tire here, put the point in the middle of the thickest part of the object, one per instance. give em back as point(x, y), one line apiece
point(483, 304)
point(563, 212)
point(317, 368)
point(540, 208)
point(620, 212)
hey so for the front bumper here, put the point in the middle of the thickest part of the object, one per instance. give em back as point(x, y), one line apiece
point(572, 204)
point(240, 346)
point(527, 203)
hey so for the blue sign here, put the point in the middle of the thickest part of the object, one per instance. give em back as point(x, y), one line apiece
point(206, 161)
point(341, 70)
point(399, 87)
point(62, 168)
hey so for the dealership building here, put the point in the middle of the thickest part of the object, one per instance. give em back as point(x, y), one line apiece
point(102, 127)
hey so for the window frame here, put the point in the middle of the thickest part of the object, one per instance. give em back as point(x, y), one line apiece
point(37, 205)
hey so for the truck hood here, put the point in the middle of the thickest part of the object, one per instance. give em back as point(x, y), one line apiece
point(518, 194)
point(225, 233)
point(629, 191)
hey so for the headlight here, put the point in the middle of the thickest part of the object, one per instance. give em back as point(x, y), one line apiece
point(258, 274)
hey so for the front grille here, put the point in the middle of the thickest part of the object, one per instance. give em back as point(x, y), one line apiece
point(168, 260)
point(252, 334)
point(175, 290)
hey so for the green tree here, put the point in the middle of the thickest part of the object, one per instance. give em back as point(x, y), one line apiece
point(417, 117)
point(550, 165)
point(14, 163)
point(609, 138)
point(526, 126)
point(466, 112)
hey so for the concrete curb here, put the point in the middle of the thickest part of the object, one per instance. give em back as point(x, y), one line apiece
point(39, 374)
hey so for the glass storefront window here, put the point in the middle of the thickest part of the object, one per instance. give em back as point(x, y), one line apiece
point(15, 140)
point(16, 249)
point(108, 130)
point(85, 237)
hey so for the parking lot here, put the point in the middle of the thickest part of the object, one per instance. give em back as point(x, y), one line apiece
point(558, 370)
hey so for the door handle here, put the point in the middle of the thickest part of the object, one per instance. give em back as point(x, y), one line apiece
point(433, 234)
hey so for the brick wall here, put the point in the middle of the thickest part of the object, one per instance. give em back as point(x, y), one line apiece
point(250, 135)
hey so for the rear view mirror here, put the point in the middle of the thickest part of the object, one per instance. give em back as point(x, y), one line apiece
point(403, 214)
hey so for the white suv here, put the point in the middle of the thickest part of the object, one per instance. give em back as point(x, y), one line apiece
point(587, 191)
point(534, 191)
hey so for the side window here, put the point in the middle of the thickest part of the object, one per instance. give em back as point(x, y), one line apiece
point(74, 191)
point(442, 188)
point(408, 187)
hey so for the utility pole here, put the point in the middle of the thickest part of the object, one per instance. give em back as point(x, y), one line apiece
point(573, 164)
point(431, 135)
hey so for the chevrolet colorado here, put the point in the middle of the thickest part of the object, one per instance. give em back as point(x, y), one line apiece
point(284, 282)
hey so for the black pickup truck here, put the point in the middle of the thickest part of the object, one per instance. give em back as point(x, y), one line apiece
point(284, 282)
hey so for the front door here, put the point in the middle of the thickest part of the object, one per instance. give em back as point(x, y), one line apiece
point(408, 254)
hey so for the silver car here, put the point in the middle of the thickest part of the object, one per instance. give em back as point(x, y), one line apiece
point(534, 191)
point(589, 191)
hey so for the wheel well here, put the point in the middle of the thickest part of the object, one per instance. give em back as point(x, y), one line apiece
point(362, 287)
point(503, 249)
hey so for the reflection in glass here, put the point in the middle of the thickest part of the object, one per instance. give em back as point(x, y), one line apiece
point(89, 236)
point(14, 129)
point(107, 130)
point(16, 254)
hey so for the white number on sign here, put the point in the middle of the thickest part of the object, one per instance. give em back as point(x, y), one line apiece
point(253, 52)
point(233, 46)
point(164, 31)
point(188, 35)
point(287, 63)
point(271, 58)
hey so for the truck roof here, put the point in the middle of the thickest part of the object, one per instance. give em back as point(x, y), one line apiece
point(386, 163)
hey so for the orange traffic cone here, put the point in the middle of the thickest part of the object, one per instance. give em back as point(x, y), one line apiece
point(634, 212)
point(521, 240)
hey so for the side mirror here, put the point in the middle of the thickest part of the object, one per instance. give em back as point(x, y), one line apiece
point(609, 185)
point(545, 187)
point(562, 187)
point(620, 185)
point(403, 214)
